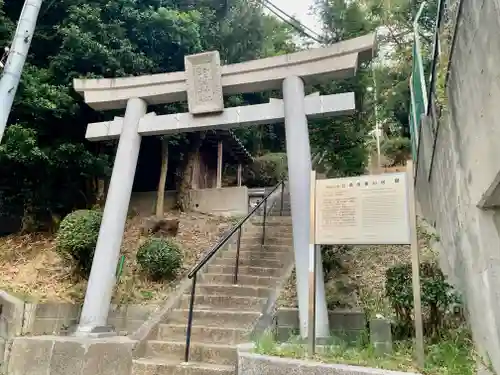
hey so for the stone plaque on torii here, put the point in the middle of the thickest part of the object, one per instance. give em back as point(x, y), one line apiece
point(203, 84)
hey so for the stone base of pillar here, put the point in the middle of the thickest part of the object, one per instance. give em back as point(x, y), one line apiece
point(95, 331)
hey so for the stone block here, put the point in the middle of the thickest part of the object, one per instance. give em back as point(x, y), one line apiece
point(57, 310)
point(347, 320)
point(50, 326)
point(11, 316)
point(30, 357)
point(345, 324)
point(222, 201)
point(55, 355)
point(204, 83)
point(67, 358)
point(109, 357)
point(381, 336)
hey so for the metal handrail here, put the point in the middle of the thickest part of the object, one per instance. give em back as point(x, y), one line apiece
point(237, 228)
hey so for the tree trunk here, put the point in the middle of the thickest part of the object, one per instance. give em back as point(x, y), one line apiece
point(195, 142)
point(160, 200)
point(28, 223)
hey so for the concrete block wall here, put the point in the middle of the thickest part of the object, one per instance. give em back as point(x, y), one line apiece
point(144, 203)
point(19, 317)
point(349, 324)
point(465, 169)
point(225, 201)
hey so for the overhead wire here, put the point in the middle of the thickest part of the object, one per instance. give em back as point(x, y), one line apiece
point(293, 22)
point(293, 19)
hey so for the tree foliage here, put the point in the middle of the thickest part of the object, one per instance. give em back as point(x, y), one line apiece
point(47, 168)
point(381, 85)
point(342, 140)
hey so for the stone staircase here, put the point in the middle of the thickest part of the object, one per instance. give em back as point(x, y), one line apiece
point(224, 314)
point(276, 209)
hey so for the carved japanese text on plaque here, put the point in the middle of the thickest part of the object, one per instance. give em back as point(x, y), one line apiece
point(204, 83)
point(363, 210)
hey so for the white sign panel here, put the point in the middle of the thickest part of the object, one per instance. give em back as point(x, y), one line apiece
point(204, 83)
point(363, 210)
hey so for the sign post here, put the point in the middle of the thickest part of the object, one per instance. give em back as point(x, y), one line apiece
point(366, 210)
point(312, 268)
point(415, 266)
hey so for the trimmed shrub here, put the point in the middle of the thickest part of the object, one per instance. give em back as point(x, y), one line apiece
point(438, 299)
point(77, 238)
point(159, 258)
point(266, 170)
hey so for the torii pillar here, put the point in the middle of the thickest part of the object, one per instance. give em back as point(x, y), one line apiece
point(299, 173)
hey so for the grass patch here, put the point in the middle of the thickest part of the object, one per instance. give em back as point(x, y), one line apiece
point(451, 355)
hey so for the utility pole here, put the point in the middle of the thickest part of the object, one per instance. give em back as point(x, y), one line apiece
point(17, 57)
point(377, 124)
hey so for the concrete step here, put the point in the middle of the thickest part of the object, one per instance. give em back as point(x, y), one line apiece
point(157, 366)
point(221, 278)
point(256, 254)
point(279, 221)
point(224, 302)
point(268, 241)
point(199, 352)
point(267, 248)
point(277, 213)
point(249, 262)
point(243, 270)
point(271, 232)
point(271, 238)
point(257, 236)
point(233, 290)
point(215, 318)
point(202, 334)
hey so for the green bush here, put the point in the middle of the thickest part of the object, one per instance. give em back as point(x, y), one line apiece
point(397, 149)
point(438, 298)
point(77, 238)
point(266, 170)
point(159, 258)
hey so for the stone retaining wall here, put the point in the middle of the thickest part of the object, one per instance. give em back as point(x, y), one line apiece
point(19, 317)
point(250, 363)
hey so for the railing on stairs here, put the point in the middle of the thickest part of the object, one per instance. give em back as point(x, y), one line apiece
point(237, 228)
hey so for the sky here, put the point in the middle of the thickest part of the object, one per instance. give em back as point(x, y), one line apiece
point(299, 9)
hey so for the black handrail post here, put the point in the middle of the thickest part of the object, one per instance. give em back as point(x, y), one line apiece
point(237, 265)
point(190, 320)
point(264, 223)
point(282, 194)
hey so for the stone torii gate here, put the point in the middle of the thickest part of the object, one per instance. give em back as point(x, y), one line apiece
point(203, 84)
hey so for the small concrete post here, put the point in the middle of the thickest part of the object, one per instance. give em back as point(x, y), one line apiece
point(239, 175)
point(219, 165)
point(107, 252)
point(381, 336)
point(299, 170)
